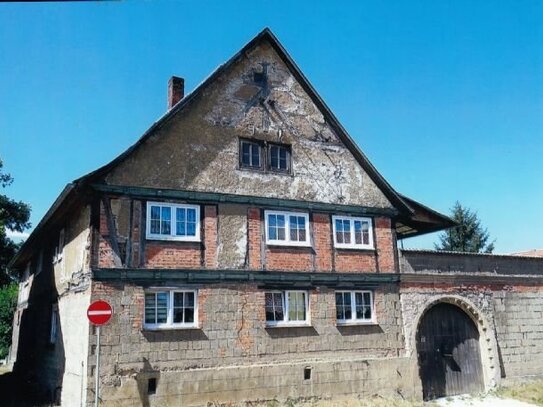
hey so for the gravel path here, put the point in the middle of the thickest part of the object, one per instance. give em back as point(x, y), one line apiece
point(487, 401)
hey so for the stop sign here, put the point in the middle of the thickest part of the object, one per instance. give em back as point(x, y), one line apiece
point(99, 312)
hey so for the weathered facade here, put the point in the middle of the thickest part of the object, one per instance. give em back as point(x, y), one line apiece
point(249, 251)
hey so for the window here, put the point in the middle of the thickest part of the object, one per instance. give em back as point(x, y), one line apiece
point(287, 308)
point(173, 222)
point(54, 325)
point(354, 307)
point(279, 158)
point(170, 309)
point(260, 155)
point(250, 154)
point(354, 233)
point(287, 228)
point(59, 249)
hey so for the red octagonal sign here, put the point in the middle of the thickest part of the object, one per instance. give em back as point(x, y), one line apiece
point(99, 312)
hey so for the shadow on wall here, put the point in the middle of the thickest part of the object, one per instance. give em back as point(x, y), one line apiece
point(147, 381)
point(38, 371)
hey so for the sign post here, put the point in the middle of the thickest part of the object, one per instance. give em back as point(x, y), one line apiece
point(99, 313)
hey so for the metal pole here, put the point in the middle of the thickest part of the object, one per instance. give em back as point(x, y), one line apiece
point(97, 379)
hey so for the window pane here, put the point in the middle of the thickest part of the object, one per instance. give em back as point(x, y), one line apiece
point(155, 212)
point(357, 232)
point(339, 231)
point(177, 315)
point(366, 233)
point(189, 300)
point(155, 226)
point(245, 154)
point(191, 215)
point(166, 216)
point(180, 215)
point(281, 234)
point(346, 231)
point(189, 315)
point(296, 311)
point(255, 156)
point(274, 307)
point(191, 229)
point(281, 221)
point(274, 159)
point(272, 233)
point(178, 299)
point(150, 307)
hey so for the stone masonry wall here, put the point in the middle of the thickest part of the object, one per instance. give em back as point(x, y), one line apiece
point(502, 294)
point(232, 332)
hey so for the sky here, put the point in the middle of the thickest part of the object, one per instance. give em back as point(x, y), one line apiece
point(444, 97)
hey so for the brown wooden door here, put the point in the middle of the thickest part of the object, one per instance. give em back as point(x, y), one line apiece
point(448, 353)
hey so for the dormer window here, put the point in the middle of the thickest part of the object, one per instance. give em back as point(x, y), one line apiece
point(250, 154)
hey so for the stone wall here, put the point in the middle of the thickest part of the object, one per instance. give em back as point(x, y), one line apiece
point(502, 294)
point(232, 341)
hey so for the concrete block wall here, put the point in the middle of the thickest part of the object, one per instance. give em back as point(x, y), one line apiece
point(518, 315)
point(232, 333)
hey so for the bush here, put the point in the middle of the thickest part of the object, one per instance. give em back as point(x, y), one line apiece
point(8, 302)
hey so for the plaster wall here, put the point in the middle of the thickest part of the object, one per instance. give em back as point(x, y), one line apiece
point(198, 148)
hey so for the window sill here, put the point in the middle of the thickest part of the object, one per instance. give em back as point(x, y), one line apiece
point(288, 244)
point(173, 239)
point(352, 247)
point(356, 323)
point(169, 328)
point(289, 325)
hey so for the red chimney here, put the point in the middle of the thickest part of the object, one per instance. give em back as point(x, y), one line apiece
point(176, 90)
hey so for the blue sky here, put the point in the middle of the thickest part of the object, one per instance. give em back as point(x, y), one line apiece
point(445, 98)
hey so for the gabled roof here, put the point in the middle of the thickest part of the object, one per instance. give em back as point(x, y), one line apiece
point(267, 35)
point(407, 208)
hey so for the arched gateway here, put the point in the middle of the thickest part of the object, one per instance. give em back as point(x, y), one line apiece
point(448, 352)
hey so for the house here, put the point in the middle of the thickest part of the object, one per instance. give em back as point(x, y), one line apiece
point(249, 250)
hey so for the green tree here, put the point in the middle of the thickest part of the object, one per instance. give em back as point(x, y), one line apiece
point(468, 236)
point(8, 301)
point(13, 216)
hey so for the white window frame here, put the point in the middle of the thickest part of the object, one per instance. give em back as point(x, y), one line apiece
point(287, 241)
point(173, 226)
point(353, 320)
point(286, 322)
point(353, 245)
point(169, 324)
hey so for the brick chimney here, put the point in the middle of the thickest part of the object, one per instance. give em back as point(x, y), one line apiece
point(176, 90)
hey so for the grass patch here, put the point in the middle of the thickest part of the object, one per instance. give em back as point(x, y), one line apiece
point(531, 392)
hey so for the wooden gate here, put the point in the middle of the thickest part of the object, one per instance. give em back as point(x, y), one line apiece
point(448, 353)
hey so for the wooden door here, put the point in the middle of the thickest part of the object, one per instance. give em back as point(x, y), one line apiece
point(448, 353)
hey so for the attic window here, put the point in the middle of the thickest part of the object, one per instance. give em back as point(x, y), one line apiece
point(250, 154)
point(279, 158)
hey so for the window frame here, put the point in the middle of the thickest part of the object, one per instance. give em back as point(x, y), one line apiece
point(353, 320)
point(288, 149)
point(353, 245)
point(287, 241)
point(261, 150)
point(173, 222)
point(169, 324)
point(286, 322)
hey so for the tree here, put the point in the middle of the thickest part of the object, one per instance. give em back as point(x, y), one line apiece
point(468, 236)
point(13, 216)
